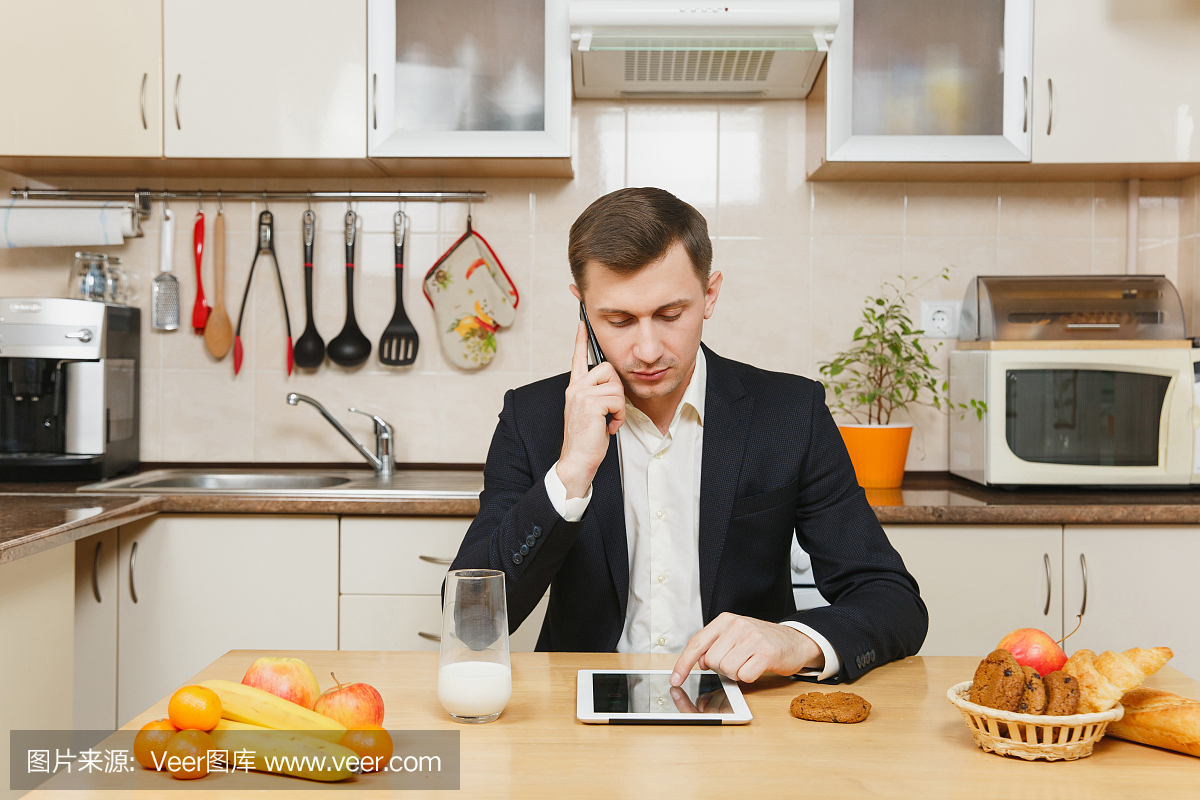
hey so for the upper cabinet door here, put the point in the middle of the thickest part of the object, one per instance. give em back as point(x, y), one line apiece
point(469, 79)
point(264, 79)
point(939, 80)
point(1116, 82)
point(84, 78)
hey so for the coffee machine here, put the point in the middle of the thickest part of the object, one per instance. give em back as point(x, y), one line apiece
point(69, 377)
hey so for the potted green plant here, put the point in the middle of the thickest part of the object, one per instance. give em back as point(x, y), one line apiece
point(886, 370)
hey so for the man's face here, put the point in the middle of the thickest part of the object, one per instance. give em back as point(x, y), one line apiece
point(649, 323)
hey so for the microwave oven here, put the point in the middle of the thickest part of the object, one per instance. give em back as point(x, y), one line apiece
point(1108, 416)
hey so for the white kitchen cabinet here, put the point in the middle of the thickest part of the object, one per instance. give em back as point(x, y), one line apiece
point(264, 79)
point(96, 602)
point(940, 81)
point(468, 79)
point(194, 587)
point(1141, 589)
point(84, 78)
point(981, 581)
point(1115, 82)
point(37, 611)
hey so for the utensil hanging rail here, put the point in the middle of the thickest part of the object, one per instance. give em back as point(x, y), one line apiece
point(142, 197)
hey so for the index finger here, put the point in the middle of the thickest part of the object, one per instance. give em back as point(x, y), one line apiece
point(579, 361)
point(696, 647)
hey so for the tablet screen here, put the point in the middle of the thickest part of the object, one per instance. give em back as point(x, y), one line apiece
point(650, 693)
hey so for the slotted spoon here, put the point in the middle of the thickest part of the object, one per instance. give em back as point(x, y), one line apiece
point(399, 342)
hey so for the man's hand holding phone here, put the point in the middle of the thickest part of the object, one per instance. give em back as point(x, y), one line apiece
point(591, 396)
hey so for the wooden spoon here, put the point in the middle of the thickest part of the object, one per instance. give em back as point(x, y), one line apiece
point(218, 332)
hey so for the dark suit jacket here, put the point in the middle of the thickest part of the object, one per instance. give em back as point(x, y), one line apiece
point(773, 464)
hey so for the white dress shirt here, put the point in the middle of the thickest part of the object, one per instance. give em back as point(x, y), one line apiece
point(660, 480)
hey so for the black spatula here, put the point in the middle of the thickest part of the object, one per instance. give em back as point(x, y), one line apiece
point(399, 342)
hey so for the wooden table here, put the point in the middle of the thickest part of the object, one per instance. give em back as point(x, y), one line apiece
point(914, 744)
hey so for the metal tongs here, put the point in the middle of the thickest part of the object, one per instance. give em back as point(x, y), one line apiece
point(266, 244)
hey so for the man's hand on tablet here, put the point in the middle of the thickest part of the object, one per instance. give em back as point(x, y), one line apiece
point(744, 648)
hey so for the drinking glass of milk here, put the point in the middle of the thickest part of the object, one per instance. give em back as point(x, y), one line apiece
point(474, 672)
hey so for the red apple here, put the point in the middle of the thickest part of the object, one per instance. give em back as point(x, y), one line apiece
point(289, 678)
point(352, 704)
point(1034, 648)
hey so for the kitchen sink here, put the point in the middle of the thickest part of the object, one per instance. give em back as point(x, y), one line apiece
point(453, 484)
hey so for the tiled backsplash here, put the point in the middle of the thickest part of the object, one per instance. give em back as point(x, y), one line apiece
point(798, 260)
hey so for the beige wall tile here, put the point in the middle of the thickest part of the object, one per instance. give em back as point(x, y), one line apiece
point(858, 209)
point(598, 160)
point(1159, 258)
point(300, 433)
point(761, 184)
point(674, 146)
point(951, 209)
point(467, 408)
point(1189, 191)
point(762, 314)
point(1186, 276)
point(1110, 204)
point(926, 256)
point(208, 415)
point(150, 415)
point(409, 403)
point(844, 271)
point(553, 311)
point(1045, 256)
point(1046, 209)
point(1158, 214)
point(1108, 256)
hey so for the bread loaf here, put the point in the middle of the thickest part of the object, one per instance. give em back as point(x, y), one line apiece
point(1160, 719)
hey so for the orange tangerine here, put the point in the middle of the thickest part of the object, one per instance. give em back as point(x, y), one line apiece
point(187, 754)
point(371, 743)
point(195, 708)
point(151, 742)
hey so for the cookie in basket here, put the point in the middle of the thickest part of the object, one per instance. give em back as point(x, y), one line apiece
point(1033, 695)
point(1062, 694)
point(999, 682)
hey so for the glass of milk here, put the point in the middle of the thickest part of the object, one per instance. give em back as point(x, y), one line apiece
point(474, 672)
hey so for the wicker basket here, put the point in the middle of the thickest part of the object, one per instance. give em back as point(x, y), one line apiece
point(1032, 736)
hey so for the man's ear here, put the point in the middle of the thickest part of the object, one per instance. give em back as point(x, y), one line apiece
point(710, 295)
point(575, 291)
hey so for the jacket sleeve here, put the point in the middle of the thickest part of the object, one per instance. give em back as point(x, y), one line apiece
point(517, 529)
point(876, 614)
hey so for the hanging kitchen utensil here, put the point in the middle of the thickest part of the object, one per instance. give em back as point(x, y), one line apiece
point(349, 348)
point(218, 332)
point(310, 347)
point(266, 245)
point(200, 309)
point(399, 342)
point(165, 291)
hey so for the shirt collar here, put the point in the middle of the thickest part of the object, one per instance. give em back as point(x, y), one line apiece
point(692, 396)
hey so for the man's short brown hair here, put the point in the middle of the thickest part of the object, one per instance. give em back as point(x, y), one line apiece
point(629, 229)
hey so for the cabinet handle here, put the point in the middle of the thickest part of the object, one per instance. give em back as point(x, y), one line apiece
point(374, 102)
point(1083, 567)
point(433, 637)
point(436, 560)
point(1050, 118)
point(145, 77)
point(1025, 100)
point(132, 562)
point(1046, 561)
point(178, 78)
point(96, 573)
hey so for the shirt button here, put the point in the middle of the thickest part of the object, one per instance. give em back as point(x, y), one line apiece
point(662, 640)
point(662, 578)
point(658, 454)
point(530, 540)
point(517, 558)
point(524, 549)
point(661, 513)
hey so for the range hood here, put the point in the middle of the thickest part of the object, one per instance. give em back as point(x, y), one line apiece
point(734, 49)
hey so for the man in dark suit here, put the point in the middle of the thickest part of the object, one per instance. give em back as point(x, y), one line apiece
point(656, 494)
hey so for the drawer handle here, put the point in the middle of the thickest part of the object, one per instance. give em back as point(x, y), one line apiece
point(132, 562)
point(433, 637)
point(435, 560)
point(1025, 98)
point(1046, 561)
point(145, 77)
point(96, 573)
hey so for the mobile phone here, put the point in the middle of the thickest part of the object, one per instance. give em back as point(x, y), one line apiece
point(595, 354)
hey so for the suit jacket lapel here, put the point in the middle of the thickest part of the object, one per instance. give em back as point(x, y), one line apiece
point(608, 509)
point(727, 410)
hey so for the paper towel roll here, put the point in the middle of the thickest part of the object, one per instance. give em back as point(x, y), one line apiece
point(30, 223)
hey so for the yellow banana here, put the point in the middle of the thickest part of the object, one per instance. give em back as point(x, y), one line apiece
point(230, 725)
point(287, 753)
point(242, 703)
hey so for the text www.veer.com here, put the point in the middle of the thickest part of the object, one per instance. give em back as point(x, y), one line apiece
point(292, 764)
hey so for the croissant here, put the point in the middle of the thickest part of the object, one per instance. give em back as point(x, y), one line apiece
point(1103, 679)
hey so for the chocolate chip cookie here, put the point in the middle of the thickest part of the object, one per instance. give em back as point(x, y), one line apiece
point(1033, 695)
point(830, 707)
point(1062, 694)
point(999, 682)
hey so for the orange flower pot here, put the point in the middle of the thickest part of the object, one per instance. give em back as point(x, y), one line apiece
point(878, 453)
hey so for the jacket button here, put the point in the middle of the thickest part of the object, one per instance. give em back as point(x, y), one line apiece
point(537, 530)
point(517, 558)
point(524, 549)
point(529, 540)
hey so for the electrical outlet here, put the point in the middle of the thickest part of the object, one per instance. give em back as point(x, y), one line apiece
point(939, 318)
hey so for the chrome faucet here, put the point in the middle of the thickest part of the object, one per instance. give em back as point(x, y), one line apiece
point(381, 459)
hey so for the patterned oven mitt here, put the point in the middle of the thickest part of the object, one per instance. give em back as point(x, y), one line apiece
point(472, 297)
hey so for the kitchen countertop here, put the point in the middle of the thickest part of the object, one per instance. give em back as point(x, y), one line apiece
point(37, 516)
point(913, 744)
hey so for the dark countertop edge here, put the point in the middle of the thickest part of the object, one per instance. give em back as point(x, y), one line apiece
point(69, 532)
point(344, 506)
point(1039, 515)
